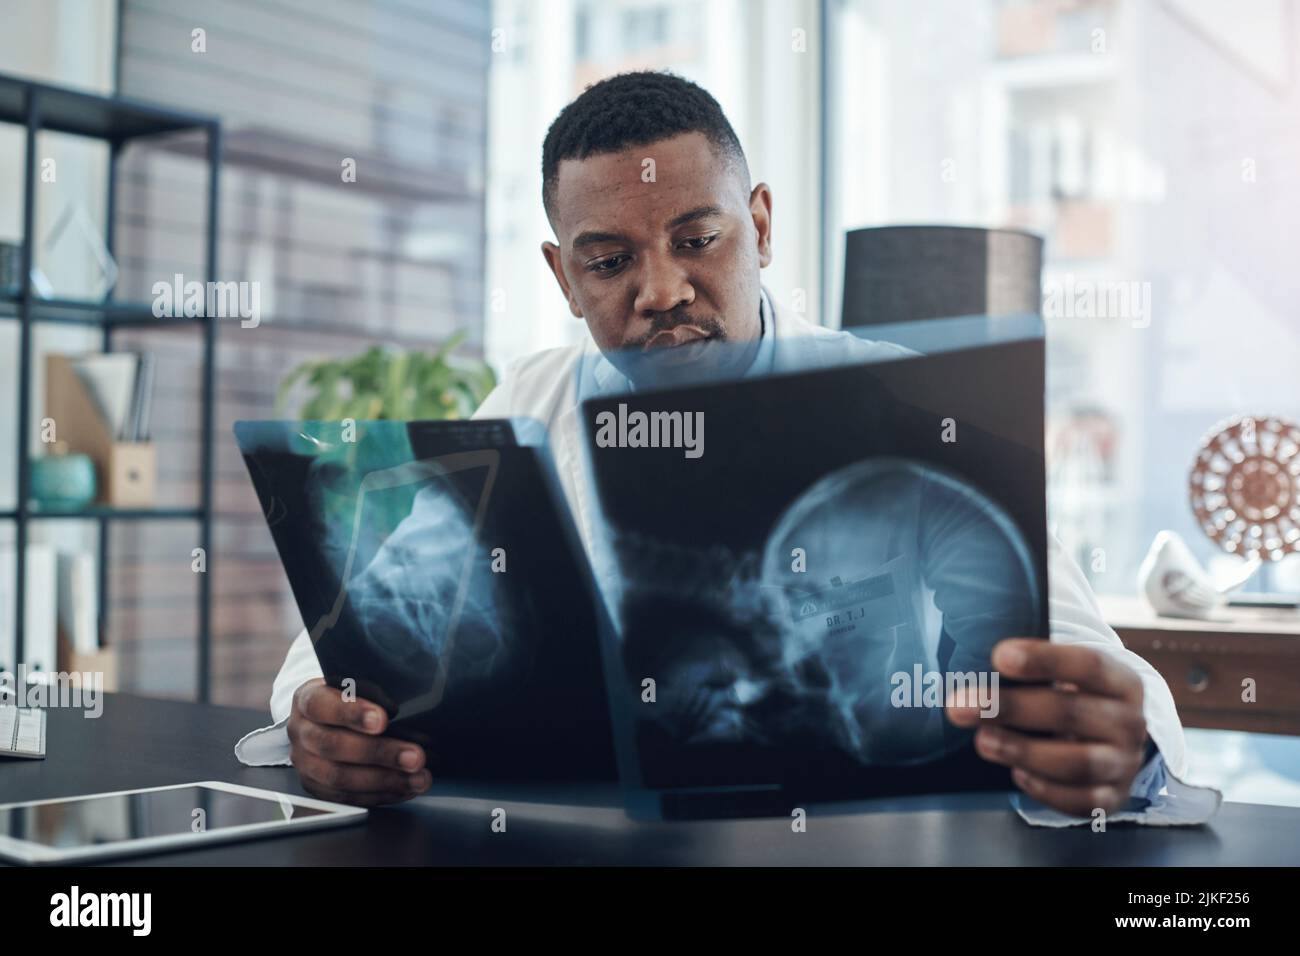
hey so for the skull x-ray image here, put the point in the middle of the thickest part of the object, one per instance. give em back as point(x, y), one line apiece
point(796, 608)
point(884, 570)
point(878, 574)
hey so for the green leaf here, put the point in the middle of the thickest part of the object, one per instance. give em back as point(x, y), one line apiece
point(384, 383)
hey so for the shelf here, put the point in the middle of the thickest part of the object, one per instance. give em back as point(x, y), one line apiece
point(38, 107)
point(89, 114)
point(83, 312)
point(114, 514)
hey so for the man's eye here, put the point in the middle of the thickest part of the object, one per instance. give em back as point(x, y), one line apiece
point(698, 242)
point(607, 265)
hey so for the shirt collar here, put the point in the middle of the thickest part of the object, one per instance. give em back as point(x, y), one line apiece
point(766, 355)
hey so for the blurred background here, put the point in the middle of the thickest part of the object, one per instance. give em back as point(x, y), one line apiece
point(1152, 142)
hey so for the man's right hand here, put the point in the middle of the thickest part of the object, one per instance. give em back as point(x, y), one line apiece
point(341, 754)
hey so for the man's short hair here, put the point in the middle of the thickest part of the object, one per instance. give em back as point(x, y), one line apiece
point(634, 109)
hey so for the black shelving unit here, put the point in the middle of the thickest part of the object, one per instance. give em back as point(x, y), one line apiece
point(118, 122)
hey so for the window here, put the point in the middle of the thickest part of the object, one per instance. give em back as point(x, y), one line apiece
point(1155, 160)
point(741, 52)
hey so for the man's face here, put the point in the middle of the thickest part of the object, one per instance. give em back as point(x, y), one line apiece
point(663, 270)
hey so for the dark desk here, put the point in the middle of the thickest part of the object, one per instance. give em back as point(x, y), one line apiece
point(139, 742)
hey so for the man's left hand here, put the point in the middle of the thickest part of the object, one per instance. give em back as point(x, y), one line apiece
point(1091, 706)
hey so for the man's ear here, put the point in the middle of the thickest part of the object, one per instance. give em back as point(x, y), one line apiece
point(551, 253)
point(760, 210)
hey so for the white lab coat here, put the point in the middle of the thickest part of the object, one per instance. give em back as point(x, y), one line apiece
point(543, 386)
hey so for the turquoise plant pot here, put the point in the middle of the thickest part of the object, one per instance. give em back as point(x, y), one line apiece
point(62, 482)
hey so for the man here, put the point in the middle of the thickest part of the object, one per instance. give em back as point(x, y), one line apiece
point(667, 267)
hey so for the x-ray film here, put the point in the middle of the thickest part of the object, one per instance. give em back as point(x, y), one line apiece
point(797, 602)
point(439, 575)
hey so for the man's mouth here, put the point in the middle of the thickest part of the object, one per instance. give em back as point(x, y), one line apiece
point(685, 350)
point(676, 338)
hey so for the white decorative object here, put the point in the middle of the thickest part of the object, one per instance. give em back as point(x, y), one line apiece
point(1176, 585)
point(75, 219)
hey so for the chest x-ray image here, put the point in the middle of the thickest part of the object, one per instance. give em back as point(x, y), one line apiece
point(391, 545)
point(436, 573)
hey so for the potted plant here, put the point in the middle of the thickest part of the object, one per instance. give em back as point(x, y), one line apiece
point(384, 383)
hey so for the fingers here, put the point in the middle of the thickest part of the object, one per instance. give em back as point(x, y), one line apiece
point(1036, 660)
point(1074, 735)
point(1068, 715)
point(340, 755)
point(1076, 801)
point(347, 746)
point(322, 704)
point(1071, 762)
point(351, 782)
point(1074, 777)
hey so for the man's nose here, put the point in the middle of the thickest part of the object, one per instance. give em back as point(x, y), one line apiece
point(664, 286)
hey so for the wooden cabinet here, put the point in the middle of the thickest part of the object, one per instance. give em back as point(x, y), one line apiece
point(1208, 664)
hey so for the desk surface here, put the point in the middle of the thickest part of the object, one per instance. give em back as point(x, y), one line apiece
point(1131, 612)
point(141, 742)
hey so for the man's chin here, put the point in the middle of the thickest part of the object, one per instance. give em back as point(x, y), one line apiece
point(699, 361)
point(696, 362)
point(688, 353)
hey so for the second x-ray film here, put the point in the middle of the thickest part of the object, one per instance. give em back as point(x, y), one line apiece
point(797, 600)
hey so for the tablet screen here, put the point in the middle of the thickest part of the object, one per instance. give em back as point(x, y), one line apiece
point(114, 818)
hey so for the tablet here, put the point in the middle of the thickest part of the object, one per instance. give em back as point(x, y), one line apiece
point(156, 819)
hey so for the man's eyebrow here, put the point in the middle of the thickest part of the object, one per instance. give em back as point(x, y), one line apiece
point(699, 212)
point(590, 238)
